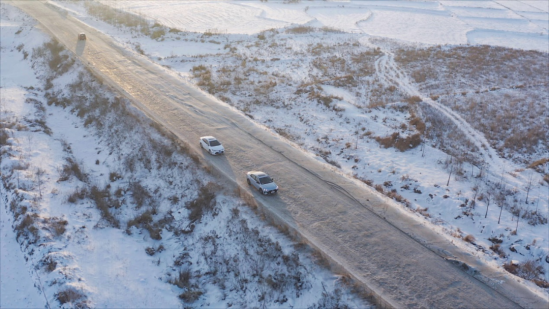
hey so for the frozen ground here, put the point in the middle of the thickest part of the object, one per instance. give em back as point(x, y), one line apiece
point(97, 211)
point(516, 24)
point(291, 80)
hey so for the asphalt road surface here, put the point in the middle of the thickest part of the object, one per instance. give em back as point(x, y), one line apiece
point(393, 254)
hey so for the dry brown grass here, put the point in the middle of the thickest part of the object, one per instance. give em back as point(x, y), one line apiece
point(417, 123)
point(529, 270)
point(497, 249)
point(538, 165)
point(300, 30)
point(70, 296)
point(499, 91)
point(437, 68)
point(469, 238)
point(402, 144)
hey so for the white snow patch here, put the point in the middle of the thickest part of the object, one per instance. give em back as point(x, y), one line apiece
point(512, 25)
point(473, 4)
point(527, 41)
point(524, 6)
point(418, 26)
point(344, 19)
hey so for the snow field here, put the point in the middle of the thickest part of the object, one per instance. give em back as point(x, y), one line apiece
point(428, 28)
point(433, 22)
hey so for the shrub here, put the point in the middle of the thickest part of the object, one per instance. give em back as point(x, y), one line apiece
point(59, 226)
point(510, 267)
point(387, 141)
point(183, 280)
point(190, 296)
point(156, 34)
point(541, 283)
point(71, 168)
point(397, 197)
point(139, 193)
point(114, 176)
point(50, 264)
point(300, 30)
point(141, 220)
point(469, 238)
point(497, 249)
point(413, 99)
point(69, 296)
point(538, 165)
point(409, 142)
point(418, 123)
point(3, 137)
point(529, 270)
point(204, 203)
point(26, 226)
point(150, 251)
point(145, 221)
point(78, 194)
point(102, 201)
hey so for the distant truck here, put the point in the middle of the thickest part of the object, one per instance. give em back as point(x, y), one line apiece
point(82, 37)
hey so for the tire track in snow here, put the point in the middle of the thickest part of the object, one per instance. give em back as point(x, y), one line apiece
point(390, 74)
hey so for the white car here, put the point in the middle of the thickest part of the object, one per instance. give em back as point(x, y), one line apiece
point(212, 145)
point(262, 182)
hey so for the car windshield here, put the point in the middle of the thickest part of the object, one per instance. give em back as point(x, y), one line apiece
point(214, 143)
point(265, 180)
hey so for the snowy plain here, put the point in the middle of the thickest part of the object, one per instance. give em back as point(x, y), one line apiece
point(498, 23)
point(430, 22)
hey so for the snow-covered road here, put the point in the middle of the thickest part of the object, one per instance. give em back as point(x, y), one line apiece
point(403, 266)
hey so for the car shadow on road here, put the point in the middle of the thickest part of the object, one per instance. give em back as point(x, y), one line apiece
point(80, 46)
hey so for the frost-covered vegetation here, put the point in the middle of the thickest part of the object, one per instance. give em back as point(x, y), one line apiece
point(500, 91)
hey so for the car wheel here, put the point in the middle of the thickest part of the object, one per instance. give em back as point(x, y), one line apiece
point(201, 146)
point(210, 151)
point(248, 181)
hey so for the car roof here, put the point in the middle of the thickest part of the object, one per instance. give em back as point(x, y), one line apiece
point(258, 173)
point(210, 138)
